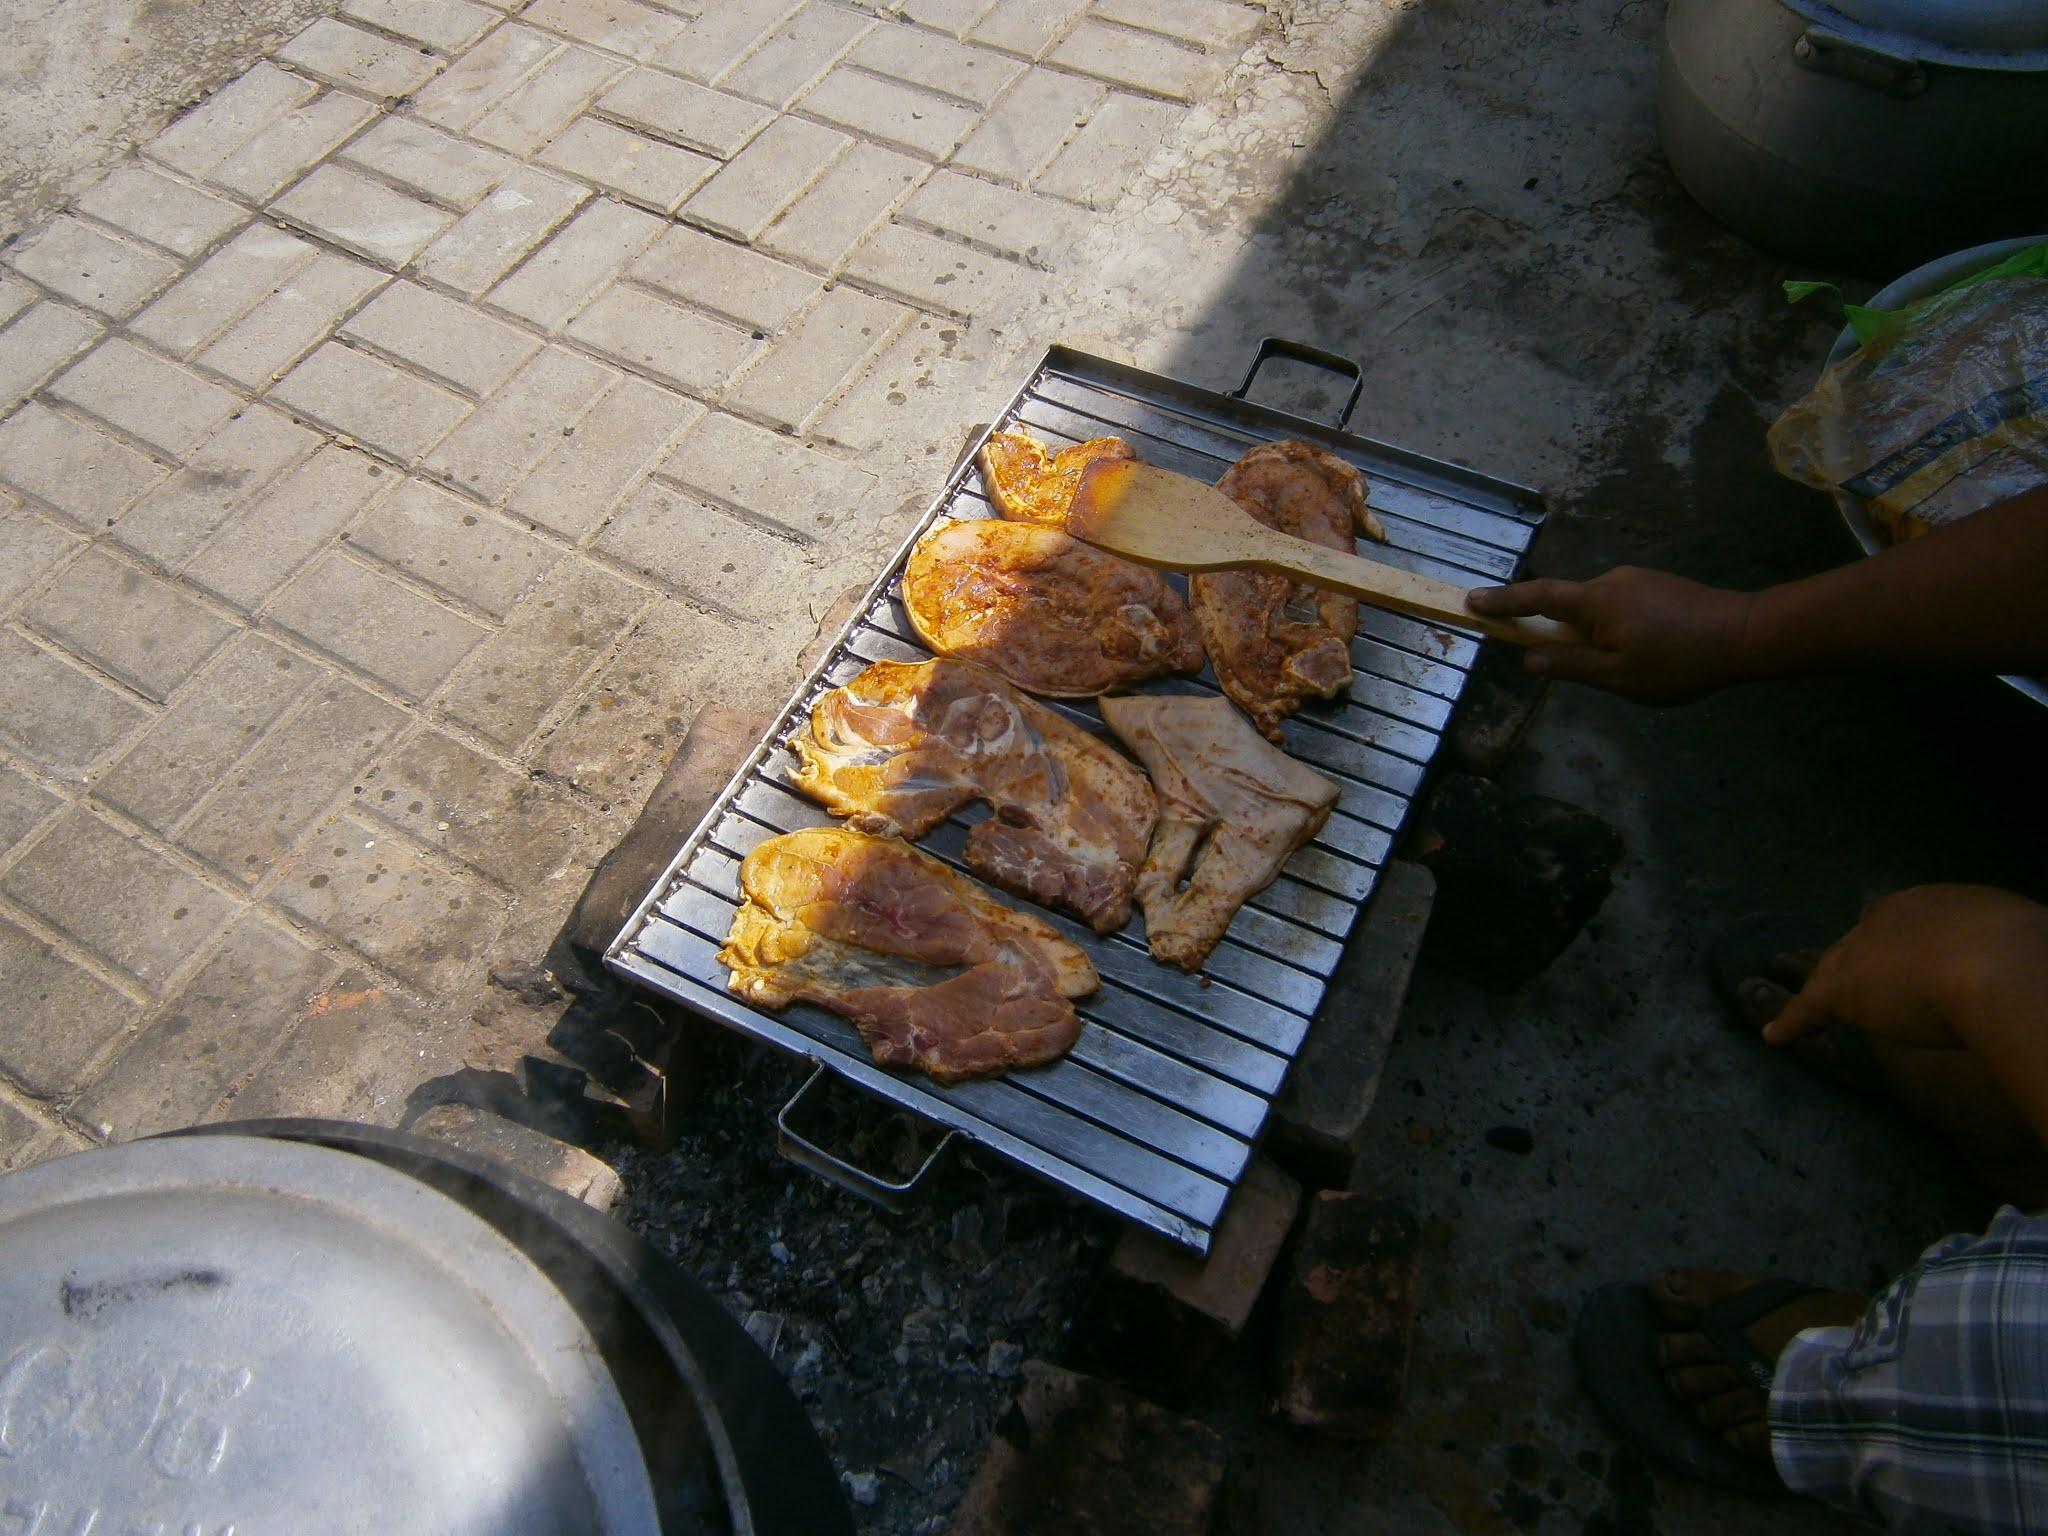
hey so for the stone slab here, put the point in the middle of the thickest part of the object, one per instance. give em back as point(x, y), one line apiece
point(536, 1154)
point(1347, 1320)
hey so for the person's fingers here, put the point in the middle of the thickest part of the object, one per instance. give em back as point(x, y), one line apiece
point(1546, 596)
point(1727, 1409)
point(1804, 1012)
point(1574, 663)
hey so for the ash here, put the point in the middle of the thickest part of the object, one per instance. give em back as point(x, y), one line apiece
point(900, 1334)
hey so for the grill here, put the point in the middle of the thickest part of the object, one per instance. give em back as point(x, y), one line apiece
point(1156, 1110)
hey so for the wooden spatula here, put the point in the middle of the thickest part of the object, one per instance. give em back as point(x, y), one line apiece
point(1158, 518)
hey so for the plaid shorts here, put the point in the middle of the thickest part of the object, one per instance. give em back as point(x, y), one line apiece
point(1931, 1414)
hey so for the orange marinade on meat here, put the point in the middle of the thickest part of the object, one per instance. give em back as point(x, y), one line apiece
point(905, 744)
point(1029, 486)
point(1053, 615)
point(1277, 642)
point(934, 973)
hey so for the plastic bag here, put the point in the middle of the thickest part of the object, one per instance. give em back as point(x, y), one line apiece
point(1943, 409)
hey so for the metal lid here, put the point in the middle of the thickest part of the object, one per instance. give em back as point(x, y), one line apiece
point(236, 1333)
point(1988, 34)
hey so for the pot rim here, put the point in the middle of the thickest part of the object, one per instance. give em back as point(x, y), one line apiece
point(1967, 53)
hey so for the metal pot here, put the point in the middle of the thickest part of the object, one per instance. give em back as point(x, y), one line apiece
point(1863, 137)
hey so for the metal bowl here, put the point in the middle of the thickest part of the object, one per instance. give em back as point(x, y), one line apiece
point(1918, 284)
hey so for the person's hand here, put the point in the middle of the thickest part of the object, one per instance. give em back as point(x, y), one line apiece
point(1927, 967)
point(1650, 636)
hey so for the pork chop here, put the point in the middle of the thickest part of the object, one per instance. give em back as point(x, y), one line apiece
point(1029, 486)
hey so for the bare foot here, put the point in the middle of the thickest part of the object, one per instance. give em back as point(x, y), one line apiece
point(1951, 1091)
point(1722, 1396)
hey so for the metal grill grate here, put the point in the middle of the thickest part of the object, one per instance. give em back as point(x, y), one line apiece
point(1155, 1111)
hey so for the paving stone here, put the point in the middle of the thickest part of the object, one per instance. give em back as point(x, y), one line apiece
point(228, 119)
point(561, 277)
point(223, 1021)
point(146, 203)
point(506, 825)
point(930, 272)
point(767, 476)
point(973, 75)
point(713, 556)
point(339, 54)
point(820, 353)
point(72, 467)
point(765, 178)
point(616, 739)
point(917, 120)
point(1027, 27)
point(77, 1015)
point(287, 781)
point(362, 216)
point(520, 424)
point(1141, 61)
point(1028, 126)
point(1341, 1362)
point(691, 115)
point(845, 203)
point(483, 76)
point(15, 296)
point(131, 625)
point(371, 401)
point(444, 542)
point(439, 337)
point(952, 17)
point(223, 288)
point(29, 546)
point(452, 171)
point(674, 345)
point(117, 897)
point(523, 1149)
point(1120, 137)
point(146, 397)
point(170, 524)
point(1009, 223)
point(723, 35)
point(1202, 23)
point(620, 25)
point(1078, 1456)
point(795, 54)
point(38, 344)
point(564, 627)
point(24, 805)
point(416, 917)
point(639, 169)
point(59, 716)
point(193, 744)
point(337, 1062)
point(548, 101)
point(259, 547)
point(750, 289)
point(299, 314)
point(623, 434)
point(447, 25)
point(281, 153)
point(80, 263)
point(491, 238)
point(369, 621)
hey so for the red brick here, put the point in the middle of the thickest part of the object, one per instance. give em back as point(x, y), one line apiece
point(1342, 1360)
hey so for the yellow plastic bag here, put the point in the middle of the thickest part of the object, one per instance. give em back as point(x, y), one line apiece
point(1942, 411)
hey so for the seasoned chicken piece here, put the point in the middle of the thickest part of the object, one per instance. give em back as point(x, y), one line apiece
point(1050, 613)
point(904, 745)
point(1276, 641)
point(932, 972)
point(1027, 486)
point(1231, 809)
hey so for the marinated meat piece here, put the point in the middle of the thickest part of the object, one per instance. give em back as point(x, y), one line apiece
point(1050, 613)
point(1276, 641)
point(1027, 486)
point(1231, 809)
point(932, 972)
point(904, 745)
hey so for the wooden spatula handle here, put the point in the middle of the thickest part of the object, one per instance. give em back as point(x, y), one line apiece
point(1421, 597)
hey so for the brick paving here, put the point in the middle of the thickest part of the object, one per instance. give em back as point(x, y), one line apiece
point(399, 448)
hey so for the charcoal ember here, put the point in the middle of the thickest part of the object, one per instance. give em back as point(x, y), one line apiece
point(1346, 1320)
point(1517, 877)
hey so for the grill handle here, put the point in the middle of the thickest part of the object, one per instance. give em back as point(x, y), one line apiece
point(805, 1153)
point(1315, 357)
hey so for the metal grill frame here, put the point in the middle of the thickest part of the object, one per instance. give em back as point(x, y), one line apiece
point(1155, 1112)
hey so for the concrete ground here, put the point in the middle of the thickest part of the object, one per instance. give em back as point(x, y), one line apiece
point(402, 445)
